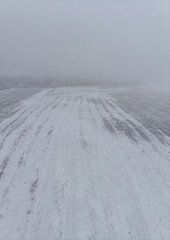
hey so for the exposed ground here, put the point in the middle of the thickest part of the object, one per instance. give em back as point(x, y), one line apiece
point(86, 163)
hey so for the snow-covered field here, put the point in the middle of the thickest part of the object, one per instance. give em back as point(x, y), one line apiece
point(86, 164)
point(10, 98)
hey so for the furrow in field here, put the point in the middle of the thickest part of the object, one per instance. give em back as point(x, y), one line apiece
point(82, 168)
point(31, 136)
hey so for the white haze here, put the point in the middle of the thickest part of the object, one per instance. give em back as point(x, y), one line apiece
point(109, 40)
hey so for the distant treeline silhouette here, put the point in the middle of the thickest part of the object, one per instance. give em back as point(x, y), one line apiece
point(22, 82)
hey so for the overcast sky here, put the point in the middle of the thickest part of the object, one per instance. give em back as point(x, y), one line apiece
point(106, 39)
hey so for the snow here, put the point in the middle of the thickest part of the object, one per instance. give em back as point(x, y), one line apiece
point(79, 163)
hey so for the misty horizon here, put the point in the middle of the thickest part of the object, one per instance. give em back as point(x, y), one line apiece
point(109, 40)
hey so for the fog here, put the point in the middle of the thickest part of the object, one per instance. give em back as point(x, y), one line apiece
point(118, 40)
